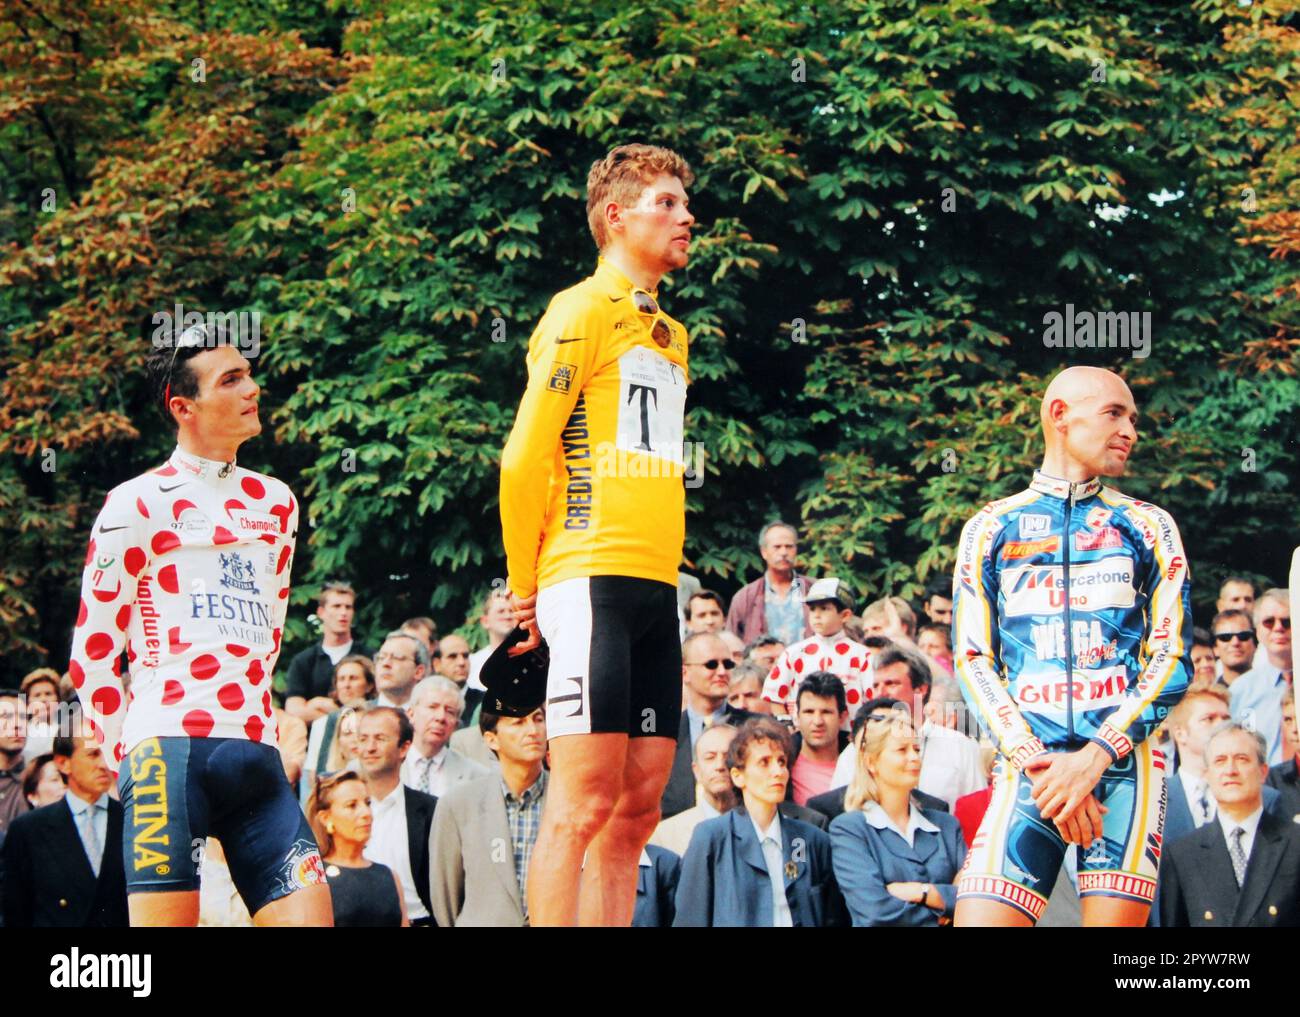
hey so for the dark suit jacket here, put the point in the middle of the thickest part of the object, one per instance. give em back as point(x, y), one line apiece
point(419, 818)
point(831, 804)
point(867, 860)
point(656, 889)
point(1178, 812)
point(679, 794)
point(48, 879)
point(1283, 778)
point(1198, 887)
point(725, 883)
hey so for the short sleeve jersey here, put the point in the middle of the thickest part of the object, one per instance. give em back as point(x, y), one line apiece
point(592, 474)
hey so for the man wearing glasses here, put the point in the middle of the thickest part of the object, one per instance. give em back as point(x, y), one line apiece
point(1257, 695)
point(188, 573)
point(593, 521)
point(706, 680)
point(1234, 644)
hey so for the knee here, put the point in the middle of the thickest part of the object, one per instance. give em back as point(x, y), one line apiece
point(582, 818)
point(638, 815)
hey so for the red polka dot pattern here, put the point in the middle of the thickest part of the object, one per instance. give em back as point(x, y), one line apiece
point(180, 506)
point(282, 512)
point(173, 692)
point(77, 675)
point(223, 536)
point(235, 650)
point(197, 723)
point(253, 487)
point(164, 541)
point(231, 696)
point(99, 646)
point(107, 596)
point(106, 700)
point(134, 560)
point(233, 504)
point(266, 702)
point(174, 645)
point(123, 618)
point(841, 658)
point(205, 666)
point(255, 673)
point(253, 727)
point(81, 614)
point(168, 579)
point(141, 507)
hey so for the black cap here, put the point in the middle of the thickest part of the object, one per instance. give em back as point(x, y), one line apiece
point(515, 686)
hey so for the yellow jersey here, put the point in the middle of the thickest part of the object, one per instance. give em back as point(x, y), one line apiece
point(592, 474)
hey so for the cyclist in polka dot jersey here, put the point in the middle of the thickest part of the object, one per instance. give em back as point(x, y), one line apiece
point(827, 649)
point(187, 572)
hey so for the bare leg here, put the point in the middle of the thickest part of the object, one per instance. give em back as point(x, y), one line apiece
point(979, 912)
point(608, 892)
point(1113, 912)
point(170, 908)
point(310, 906)
point(586, 778)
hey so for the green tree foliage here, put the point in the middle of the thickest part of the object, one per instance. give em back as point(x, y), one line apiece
point(891, 195)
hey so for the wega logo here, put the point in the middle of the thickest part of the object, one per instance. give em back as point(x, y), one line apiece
point(1038, 589)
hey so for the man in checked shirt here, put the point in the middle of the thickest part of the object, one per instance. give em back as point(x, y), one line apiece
point(485, 829)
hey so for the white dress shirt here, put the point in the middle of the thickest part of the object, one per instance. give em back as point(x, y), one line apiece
point(770, 840)
point(875, 814)
point(1250, 824)
point(476, 665)
point(390, 845)
point(1195, 787)
point(950, 764)
point(415, 765)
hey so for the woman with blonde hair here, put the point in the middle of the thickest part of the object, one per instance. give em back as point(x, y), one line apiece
point(365, 893)
point(896, 864)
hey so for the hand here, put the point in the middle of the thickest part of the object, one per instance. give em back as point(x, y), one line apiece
point(1084, 825)
point(525, 609)
point(893, 624)
point(905, 891)
point(322, 703)
point(1061, 780)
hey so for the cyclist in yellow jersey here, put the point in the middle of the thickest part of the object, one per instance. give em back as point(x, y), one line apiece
point(593, 520)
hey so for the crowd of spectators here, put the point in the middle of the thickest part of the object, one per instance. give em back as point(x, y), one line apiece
point(827, 772)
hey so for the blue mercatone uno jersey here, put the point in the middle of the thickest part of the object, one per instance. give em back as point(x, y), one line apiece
point(1071, 618)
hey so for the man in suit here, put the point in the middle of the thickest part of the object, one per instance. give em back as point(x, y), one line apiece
point(1203, 708)
point(1283, 776)
point(63, 863)
point(657, 875)
point(485, 828)
point(1244, 868)
point(706, 666)
point(432, 765)
point(402, 816)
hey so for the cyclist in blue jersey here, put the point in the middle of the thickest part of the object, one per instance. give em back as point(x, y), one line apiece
point(1072, 641)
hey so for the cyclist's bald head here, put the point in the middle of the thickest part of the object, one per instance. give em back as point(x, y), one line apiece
point(1078, 385)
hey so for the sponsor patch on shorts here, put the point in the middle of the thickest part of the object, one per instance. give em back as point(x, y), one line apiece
point(302, 867)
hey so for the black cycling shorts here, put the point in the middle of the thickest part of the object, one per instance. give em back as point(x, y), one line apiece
point(616, 657)
point(176, 791)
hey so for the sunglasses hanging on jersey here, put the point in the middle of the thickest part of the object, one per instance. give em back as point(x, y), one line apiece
point(647, 305)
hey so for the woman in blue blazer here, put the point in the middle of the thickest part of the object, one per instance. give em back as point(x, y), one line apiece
point(731, 877)
point(895, 864)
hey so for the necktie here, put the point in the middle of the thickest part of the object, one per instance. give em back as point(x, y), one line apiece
point(424, 776)
point(1238, 855)
point(94, 850)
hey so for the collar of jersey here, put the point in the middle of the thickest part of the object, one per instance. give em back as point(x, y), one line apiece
point(610, 275)
point(192, 467)
point(1045, 483)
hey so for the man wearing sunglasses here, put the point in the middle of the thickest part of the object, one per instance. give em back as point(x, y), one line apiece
point(1072, 639)
point(1234, 644)
point(188, 573)
point(593, 521)
point(1257, 695)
